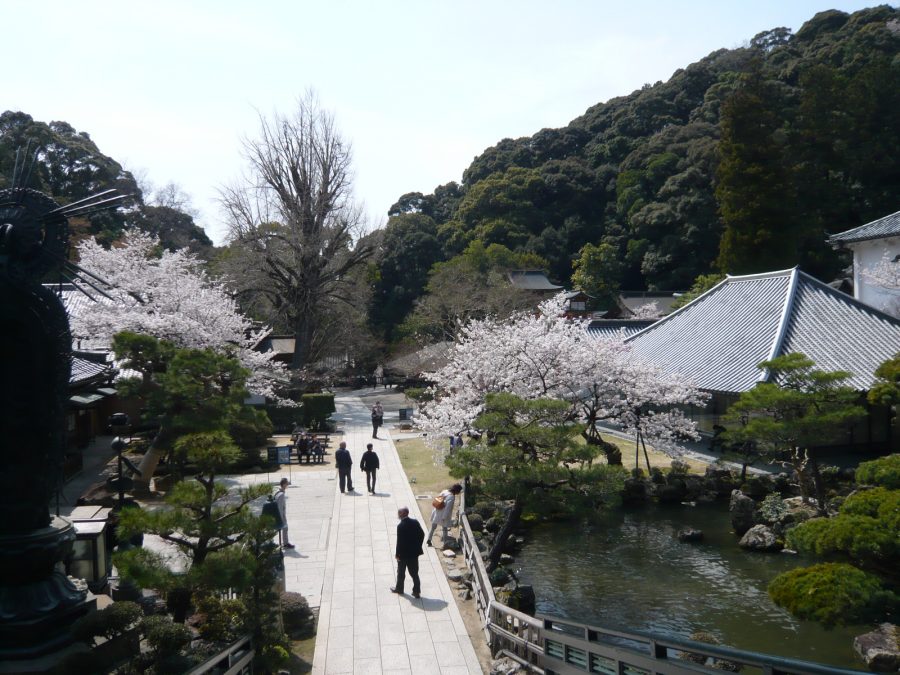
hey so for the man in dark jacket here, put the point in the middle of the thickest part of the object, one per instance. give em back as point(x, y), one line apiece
point(370, 464)
point(343, 461)
point(410, 536)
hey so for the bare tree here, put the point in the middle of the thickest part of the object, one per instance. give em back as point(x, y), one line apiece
point(294, 229)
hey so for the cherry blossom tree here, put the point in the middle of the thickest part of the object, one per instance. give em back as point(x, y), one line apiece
point(648, 310)
point(546, 355)
point(886, 275)
point(168, 295)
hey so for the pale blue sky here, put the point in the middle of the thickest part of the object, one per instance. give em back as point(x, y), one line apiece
point(419, 88)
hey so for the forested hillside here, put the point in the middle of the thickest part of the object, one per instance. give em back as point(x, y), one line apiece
point(70, 167)
point(741, 162)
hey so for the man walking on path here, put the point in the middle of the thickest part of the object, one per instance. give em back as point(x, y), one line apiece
point(409, 547)
point(344, 462)
point(377, 418)
point(443, 515)
point(281, 502)
point(370, 464)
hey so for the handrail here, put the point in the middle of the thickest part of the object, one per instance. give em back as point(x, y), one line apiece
point(236, 659)
point(561, 647)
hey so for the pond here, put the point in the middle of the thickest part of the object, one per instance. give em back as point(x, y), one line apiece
point(628, 570)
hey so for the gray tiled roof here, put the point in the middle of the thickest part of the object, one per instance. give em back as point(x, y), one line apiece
point(84, 370)
point(614, 329)
point(889, 226)
point(718, 339)
point(532, 280)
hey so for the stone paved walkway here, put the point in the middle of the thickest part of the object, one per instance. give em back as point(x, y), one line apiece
point(344, 564)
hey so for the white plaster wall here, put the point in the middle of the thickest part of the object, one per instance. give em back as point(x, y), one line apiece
point(867, 254)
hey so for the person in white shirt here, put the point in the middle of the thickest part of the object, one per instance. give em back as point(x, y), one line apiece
point(443, 516)
point(281, 501)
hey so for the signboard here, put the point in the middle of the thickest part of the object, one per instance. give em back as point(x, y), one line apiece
point(278, 454)
point(406, 413)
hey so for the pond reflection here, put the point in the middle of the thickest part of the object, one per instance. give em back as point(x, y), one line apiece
point(627, 569)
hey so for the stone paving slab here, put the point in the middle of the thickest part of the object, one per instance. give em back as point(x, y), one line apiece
point(363, 627)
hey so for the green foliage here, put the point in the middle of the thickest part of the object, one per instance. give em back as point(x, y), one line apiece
point(529, 453)
point(598, 272)
point(298, 617)
point(886, 390)
point(860, 538)
point(165, 637)
point(418, 394)
point(223, 620)
point(317, 408)
point(109, 622)
point(205, 520)
point(834, 594)
point(884, 471)
point(187, 390)
point(250, 429)
point(798, 408)
point(471, 285)
point(745, 160)
point(773, 508)
point(409, 248)
point(701, 284)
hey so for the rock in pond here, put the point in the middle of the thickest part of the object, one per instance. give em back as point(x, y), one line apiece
point(760, 538)
point(690, 535)
point(743, 512)
point(879, 649)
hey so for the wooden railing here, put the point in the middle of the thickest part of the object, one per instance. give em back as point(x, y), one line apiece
point(236, 659)
point(551, 646)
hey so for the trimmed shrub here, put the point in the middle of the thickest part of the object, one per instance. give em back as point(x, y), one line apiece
point(831, 593)
point(296, 614)
point(317, 408)
point(884, 472)
point(165, 637)
point(109, 622)
point(773, 508)
point(250, 429)
point(679, 467)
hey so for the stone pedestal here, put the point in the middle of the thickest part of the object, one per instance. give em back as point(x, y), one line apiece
point(38, 603)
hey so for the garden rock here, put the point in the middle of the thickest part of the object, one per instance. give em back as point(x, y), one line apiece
point(448, 553)
point(879, 649)
point(476, 522)
point(690, 535)
point(743, 512)
point(672, 493)
point(493, 524)
point(634, 492)
point(454, 575)
point(757, 487)
point(760, 538)
point(507, 666)
point(506, 559)
point(521, 598)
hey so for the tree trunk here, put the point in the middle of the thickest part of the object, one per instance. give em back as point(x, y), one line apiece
point(150, 461)
point(592, 437)
point(303, 334)
point(818, 483)
point(512, 519)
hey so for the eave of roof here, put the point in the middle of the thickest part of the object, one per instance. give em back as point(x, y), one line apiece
point(718, 338)
point(888, 226)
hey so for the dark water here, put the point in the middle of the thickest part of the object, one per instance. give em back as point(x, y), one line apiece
point(628, 570)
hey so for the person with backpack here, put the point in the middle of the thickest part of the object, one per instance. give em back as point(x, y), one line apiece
point(281, 505)
point(442, 511)
point(370, 464)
